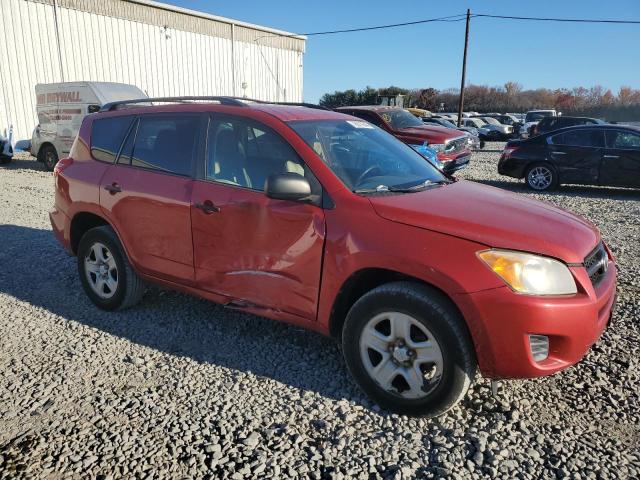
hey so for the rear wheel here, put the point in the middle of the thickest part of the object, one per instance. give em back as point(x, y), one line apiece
point(408, 349)
point(4, 159)
point(105, 273)
point(48, 156)
point(541, 177)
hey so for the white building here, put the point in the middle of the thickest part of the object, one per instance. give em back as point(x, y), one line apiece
point(164, 50)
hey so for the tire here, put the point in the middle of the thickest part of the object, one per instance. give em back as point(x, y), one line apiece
point(99, 254)
point(48, 156)
point(4, 160)
point(441, 384)
point(541, 177)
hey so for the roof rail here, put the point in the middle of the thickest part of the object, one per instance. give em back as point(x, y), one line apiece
point(223, 100)
point(107, 107)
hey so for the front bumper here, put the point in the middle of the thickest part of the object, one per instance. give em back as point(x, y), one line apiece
point(501, 321)
point(459, 163)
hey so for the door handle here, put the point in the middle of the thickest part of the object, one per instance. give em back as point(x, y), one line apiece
point(207, 207)
point(113, 188)
point(611, 156)
point(558, 153)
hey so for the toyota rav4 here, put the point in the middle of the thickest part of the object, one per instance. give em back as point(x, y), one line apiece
point(325, 221)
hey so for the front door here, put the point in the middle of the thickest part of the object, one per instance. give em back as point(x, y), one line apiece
point(577, 154)
point(255, 250)
point(147, 193)
point(621, 160)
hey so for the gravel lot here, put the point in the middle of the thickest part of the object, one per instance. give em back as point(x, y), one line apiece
point(178, 387)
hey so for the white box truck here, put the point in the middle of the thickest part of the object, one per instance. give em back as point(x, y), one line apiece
point(61, 108)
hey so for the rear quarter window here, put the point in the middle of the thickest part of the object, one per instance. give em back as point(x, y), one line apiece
point(165, 142)
point(107, 135)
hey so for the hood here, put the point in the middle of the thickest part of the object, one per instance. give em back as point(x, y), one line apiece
point(432, 133)
point(493, 217)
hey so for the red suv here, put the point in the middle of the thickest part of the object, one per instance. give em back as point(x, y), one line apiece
point(451, 145)
point(325, 221)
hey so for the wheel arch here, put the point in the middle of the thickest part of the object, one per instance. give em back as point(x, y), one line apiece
point(365, 280)
point(81, 223)
point(42, 146)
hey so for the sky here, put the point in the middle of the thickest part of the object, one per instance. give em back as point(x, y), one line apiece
point(534, 54)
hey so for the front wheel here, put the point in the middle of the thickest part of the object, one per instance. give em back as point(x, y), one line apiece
point(541, 177)
point(105, 273)
point(408, 348)
point(49, 157)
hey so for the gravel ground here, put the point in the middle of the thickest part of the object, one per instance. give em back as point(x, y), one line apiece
point(178, 387)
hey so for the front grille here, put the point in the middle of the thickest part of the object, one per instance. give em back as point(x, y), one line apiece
point(596, 264)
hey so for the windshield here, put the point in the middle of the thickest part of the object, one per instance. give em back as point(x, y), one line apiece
point(399, 119)
point(365, 157)
point(537, 116)
point(491, 121)
point(447, 123)
point(475, 122)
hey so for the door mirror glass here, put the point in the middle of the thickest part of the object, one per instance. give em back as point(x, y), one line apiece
point(287, 186)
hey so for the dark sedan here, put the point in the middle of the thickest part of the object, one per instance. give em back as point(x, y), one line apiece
point(588, 155)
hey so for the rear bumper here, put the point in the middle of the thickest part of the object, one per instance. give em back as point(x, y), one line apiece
point(501, 321)
point(511, 167)
point(60, 224)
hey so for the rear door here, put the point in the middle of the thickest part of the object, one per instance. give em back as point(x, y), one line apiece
point(621, 160)
point(256, 250)
point(147, 193)
point(577, 154)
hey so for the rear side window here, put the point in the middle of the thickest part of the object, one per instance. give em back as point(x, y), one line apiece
point(579, 138)
point(107, 135)
point(166, 143)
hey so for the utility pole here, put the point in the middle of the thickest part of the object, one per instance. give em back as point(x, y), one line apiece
point(464, 69)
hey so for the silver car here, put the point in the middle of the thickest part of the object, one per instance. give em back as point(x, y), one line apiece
point(496, 130)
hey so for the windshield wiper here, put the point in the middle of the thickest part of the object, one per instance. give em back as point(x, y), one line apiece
point(378, 189)
point(419, 186)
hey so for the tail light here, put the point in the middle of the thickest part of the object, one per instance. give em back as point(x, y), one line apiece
point(508, 151)
point(534, 130)
point(62, 164)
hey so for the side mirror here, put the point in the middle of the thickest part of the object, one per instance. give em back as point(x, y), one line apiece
point(93, 108)
point(287, 186)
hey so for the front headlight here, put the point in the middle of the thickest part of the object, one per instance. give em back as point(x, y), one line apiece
point(530, 274)
point(438, 147)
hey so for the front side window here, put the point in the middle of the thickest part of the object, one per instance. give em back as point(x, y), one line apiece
point(365, 157)
point(579, 138)
point(622, 139)
point(165, 142)
point(245, 153)
point(107, 135)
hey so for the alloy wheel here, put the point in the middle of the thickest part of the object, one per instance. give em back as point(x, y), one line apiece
point(401, 355)
point(101, 270)
point(540, 178)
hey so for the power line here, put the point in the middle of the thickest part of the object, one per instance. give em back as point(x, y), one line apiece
point(549, 19)
point(462, 17)
point(450, 18)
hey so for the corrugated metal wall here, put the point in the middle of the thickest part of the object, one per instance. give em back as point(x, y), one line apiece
point(126, 41)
